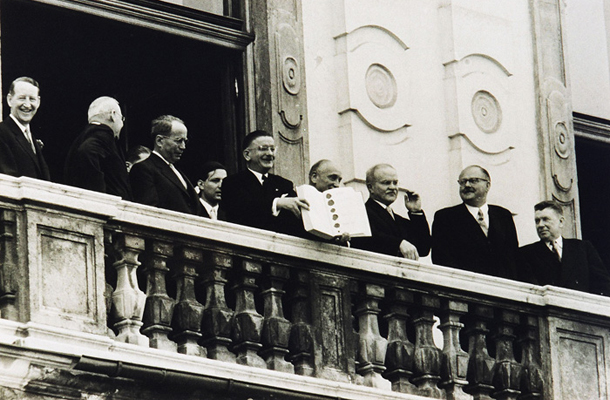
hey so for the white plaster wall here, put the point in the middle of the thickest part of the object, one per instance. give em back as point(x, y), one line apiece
point(587, 54)
point(422, 152)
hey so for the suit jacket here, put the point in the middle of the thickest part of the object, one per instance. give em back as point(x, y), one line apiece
point(245, 201)
point(459, 242)
point(387, 232)
point(16, 155)
point(154, 183)
point(95, 162)
point(580, 267)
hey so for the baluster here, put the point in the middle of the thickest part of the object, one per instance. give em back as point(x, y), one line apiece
point(217, 316)
point(159, 306)
point(8, 265)
point(301, 338)
point(507, 372)
point(276, 328)
point(399, 356)
point(427, 357)
point(248, 323)
point(480, 364)
point(128, 300)
point(372, 346)
point(188, 311)
point(454, 364)
point(531, 383)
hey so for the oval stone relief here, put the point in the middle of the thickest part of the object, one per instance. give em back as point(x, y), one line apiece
point(486, 111)
point(562, 141)
point(381, 86)
point(291, 77)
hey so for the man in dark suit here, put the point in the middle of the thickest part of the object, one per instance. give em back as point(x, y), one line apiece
point(210, 189)
point(94, 161)
point(20, 151)
point(554, 260)
point(156, 181)
point(475, 236)
point(255, 197)
point(391, 233)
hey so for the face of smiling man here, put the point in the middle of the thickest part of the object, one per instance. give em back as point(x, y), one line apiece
point(24, 102)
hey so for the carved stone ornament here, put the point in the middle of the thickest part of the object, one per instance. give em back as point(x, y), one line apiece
point(291, 76)
point(486, 111)
point(381, 86)
point(561, 140)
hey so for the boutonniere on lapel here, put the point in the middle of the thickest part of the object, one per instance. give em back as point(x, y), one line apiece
point(40, 143)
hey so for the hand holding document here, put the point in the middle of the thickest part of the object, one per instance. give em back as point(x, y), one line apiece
point(334, 212)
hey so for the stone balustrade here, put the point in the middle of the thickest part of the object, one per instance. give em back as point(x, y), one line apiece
point(200, 289)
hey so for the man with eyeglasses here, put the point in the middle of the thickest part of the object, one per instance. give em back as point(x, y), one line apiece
point(156, 181)
point(391, 233)
point(257, 198)
point(475, 236)
point(20, 151)
point(95, 161)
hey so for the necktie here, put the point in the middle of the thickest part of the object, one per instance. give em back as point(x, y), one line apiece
point(28, 136)
point(555, 250)
point(391, 212)
point(179, 175)
point(264, 178)
point(213, 214)
point(481, 221)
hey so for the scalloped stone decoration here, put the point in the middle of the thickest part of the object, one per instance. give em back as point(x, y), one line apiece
point(381, 86)
point(291, 76)
point(562, 142)
point(486, 111)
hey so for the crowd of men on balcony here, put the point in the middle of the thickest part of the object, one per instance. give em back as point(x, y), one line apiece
point(473, 235)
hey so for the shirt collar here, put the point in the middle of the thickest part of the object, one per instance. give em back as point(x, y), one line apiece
point(19, 124)
point(208, 206)
point(475, 210)
point(160, 156)
point(558, 241)
point(258, 175)
point(381, 204)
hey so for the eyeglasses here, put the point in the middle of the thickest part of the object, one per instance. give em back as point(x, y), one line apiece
point(177, 141)
point(266, 148)
point(472, 181)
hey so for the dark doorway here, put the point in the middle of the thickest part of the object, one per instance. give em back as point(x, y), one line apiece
point(78, 57)
point(593, 165)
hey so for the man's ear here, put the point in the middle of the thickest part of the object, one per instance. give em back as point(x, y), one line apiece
point(9, 98)
point(200, 183)
point(246, 155)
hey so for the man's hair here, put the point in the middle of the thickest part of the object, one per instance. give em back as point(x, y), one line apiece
point(252, 136)
point(100, 106)
point(316, 166)
point(552, 204)
point(483, 170)
point(163, 125)
point(137, 153)
point(27, 79)
point(370, 173)
point(209, 167)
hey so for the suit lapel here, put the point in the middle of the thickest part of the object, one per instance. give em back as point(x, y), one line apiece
point(169, 174)
point(471, 225)
point(384, 216)
point(25, 145)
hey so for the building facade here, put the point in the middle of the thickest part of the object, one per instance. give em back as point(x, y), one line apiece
point(106, 299)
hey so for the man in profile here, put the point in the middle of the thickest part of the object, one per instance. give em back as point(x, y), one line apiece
point(257, 198)
point(20, 151)
point(474, 235)
point(210, 189)
point(557, 261)
point(391, 233)
point(94, 161)
point(156, 181)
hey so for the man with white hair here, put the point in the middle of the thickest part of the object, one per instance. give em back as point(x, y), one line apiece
point(94, 161)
